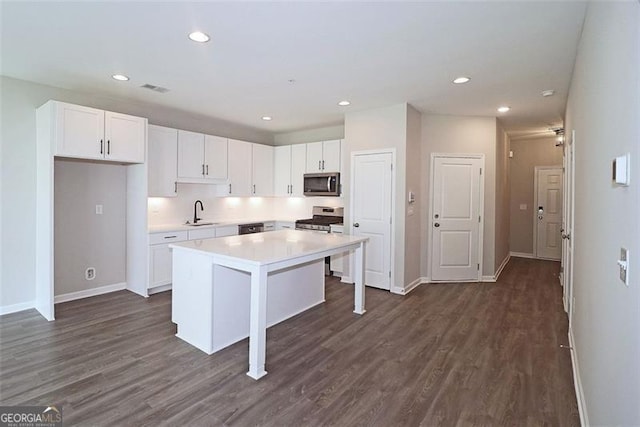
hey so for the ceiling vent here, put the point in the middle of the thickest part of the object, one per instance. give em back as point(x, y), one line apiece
point(154, 88)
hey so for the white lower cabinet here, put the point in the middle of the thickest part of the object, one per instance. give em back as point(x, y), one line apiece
point(160, 257)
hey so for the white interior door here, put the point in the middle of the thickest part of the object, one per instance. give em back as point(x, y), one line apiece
point(567, 232)
point(371, 196)
point(548, 207)
point(456, 218)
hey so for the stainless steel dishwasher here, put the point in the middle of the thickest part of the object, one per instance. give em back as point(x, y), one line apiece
point(256, 227)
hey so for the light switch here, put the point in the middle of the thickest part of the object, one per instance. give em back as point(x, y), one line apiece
point(523, 206)
point(98, 209)
point(621, 170)
point(623, 263)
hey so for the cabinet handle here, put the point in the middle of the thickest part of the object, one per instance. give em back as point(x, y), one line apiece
point(175, 187)
point(319, 163)
point(101, 145)
point(203, 169)
point(229, 188)
point(254, 189)
point(108, 146)
point(323, 165)
point(290, 189)
point(207, 169)
point(170, 237)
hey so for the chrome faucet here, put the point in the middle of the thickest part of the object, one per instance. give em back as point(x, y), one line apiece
point(195, 211)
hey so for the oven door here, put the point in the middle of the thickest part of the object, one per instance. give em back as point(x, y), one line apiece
point(322, 184)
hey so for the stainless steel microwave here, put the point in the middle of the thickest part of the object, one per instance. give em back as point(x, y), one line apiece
point(322, 184)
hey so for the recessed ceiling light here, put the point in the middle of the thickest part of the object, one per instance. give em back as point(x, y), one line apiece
point(267, 118)
point(549, 92)
point(344, 103)
point(503, 109)
point(461, 79)
point(120, 77)
point(199, 36)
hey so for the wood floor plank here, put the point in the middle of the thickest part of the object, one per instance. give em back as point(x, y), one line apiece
point(446, 354)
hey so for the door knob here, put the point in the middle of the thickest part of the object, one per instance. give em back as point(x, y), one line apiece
point(356, 224)
point(436, 225)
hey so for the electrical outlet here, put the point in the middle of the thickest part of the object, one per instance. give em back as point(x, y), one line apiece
point(98, 209)
point(623, 264)
point(90, 273)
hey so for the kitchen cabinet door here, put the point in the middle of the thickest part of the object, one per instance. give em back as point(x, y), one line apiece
point(314, 157)
point(215, 158)
point(125, 136)
point(160, 265)
point(331, 156)
point(79, 131)
point(239, 169)
point(282, 170)
point(298, 167)
point(162, 161)
point(190, 155)
point(262, 171)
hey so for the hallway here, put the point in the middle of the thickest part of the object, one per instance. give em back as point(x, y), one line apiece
point(446, 354)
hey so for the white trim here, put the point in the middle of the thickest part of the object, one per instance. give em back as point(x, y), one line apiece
point(481, 157)
point(577, 382)
point(157, 289)
point(411, 286)
point(71, 296)
point(521, 255)
point(394, 183)
point(495, 277)
point(347, 279)
point(14, 308)
point(488, 279)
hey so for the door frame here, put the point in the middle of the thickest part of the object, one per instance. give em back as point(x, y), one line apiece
point(483, 169)
point(536, 169)
point(568, 216)
point(392, 237)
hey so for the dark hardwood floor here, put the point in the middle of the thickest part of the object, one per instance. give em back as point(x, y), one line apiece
point(447, 354)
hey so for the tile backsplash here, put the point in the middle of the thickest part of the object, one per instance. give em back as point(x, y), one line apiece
point(177, 210)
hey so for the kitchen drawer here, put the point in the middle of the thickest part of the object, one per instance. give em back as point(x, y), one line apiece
point(227, 230)
point(202, 233)
point(269, 226)
point(285, 225)
point(168, 237)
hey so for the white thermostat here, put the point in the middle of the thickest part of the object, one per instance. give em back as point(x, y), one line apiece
point(621, 170)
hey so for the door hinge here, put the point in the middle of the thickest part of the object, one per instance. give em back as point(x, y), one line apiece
point(391, 166)
point(390, 220)
point(479, 218)
point(389, 274)
point(478, 267)
point(480, 171)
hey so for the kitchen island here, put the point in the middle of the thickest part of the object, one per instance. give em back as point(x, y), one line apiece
point(222, 286)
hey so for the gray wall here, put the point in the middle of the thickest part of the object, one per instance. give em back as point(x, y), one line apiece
point(18, 101)
point(527, 154)
point(503, 197)
point(413, 212)
point(459, 134)
point(310, 135)
point(82, 238)
point(604, 110)
point(377, 129)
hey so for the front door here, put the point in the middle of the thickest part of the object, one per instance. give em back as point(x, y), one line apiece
point(456, 218)
point(371, 195)
point(548, 207)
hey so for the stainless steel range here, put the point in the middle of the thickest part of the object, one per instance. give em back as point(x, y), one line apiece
point(323, 217)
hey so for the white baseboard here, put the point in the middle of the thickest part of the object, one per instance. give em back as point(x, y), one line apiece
point(522, 255)
point(347, 279)
point(411, 286)
point(577, 383)
point(14, 308)
point(493, 279)
point(71, 296)
point(159, 289)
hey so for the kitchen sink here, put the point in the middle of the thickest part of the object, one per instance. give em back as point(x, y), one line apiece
point(201, 223)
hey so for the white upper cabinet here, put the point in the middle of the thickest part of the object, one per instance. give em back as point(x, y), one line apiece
point(289, 164)
point(262, 170)
point(201, 158)
point(89, 133)
point(239, 171)
point(162, 161)
point(323, 156)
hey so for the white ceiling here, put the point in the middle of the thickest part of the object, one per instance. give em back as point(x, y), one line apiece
point(373, 54)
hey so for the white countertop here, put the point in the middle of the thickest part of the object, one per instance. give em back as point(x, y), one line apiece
point(269, 248)
point(161, 228)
